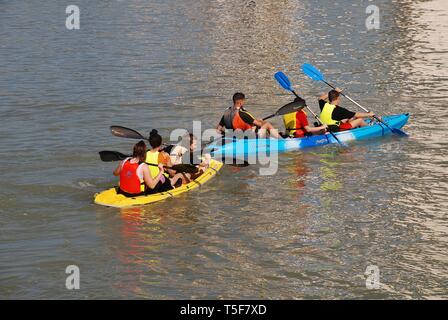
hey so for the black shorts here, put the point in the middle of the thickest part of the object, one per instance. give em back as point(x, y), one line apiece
point(160, 187)
point(129, 195)
point(333, 128)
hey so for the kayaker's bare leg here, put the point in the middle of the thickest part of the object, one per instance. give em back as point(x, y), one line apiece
point(196, 175)
point(171, 172)
point(358, 123)
point(175, 179)
point(186, 178)
point(267, 126)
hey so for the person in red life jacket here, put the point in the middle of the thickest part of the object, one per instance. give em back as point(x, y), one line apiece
point(236, 117)
point(296, 124)
point(338, 118)
point(135, 177)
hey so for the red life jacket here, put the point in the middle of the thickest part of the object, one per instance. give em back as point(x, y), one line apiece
point(295, 123)
point(129, 180)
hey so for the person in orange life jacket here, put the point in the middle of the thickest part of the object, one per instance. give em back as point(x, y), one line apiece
point(154, 156)
point(236, 117)
point(164, 157)
point(296, 124)
point(338, 118)
point(183, 153)
point(135, 177)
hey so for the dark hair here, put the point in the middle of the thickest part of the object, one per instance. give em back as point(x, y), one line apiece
point(155, 140)
point(140, 151)
point(238, 96)
point(187, 140)
point(333, 95)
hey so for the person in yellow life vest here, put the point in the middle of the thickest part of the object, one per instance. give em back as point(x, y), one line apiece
point(153, 156)
point(338, 118)
point(135, 178)
point(236, 117)
point(296, 124)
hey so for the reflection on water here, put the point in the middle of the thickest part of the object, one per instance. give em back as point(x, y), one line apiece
point(299, 171)
point(309, 231)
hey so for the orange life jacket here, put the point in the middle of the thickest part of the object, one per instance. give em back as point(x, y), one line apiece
point(129, 180)
point(238, 123)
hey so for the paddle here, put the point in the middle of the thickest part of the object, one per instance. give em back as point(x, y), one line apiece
point(288, 108)
point(109, 156)
point(283, 80)
point(315, 74)
point(124, 132)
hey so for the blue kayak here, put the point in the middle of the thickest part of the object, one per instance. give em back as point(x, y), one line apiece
point(241, 147)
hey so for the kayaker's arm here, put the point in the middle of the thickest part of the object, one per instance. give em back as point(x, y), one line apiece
point(149, 181)
point(117, 170)
point(205, 161)
point(258, 122)
point(220, 129)
point(316, 129)
point(324, 97)
point(364, 115)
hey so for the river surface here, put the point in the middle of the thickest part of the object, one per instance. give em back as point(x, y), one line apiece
point(307, 232)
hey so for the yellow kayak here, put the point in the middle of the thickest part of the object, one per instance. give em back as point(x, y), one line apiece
point(110, 197)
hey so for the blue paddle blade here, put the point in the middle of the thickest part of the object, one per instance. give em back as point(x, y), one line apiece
point(399, 132)
point(283, 80)
point(312, 72)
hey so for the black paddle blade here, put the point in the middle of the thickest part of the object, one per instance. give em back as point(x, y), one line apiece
point(109, 156)
point(185, 168)
point(124, 132)
point(296, 105)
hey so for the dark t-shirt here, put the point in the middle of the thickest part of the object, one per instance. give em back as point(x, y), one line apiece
point(244, 115)
point(339, 113)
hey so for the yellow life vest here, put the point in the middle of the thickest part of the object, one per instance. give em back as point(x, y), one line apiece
point(326, 113)
point(153, 158)
point(290, 122)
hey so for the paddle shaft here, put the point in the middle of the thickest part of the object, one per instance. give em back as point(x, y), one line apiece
point(279, 112)
point(317, 118)
point(269, 117)
point(156, 165)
